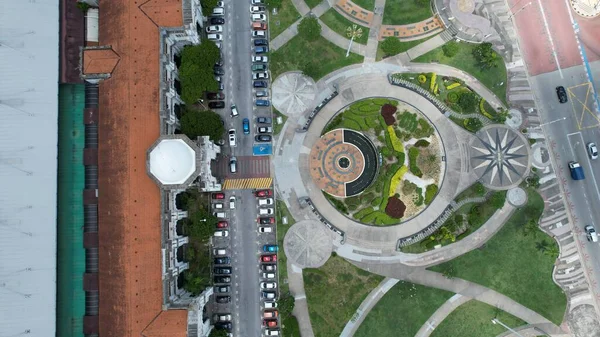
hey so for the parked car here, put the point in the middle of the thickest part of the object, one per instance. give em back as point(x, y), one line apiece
point(265, 211)
point(268, 275)
point(266, 220)
point(222, 260)
point(259, 67)
point(220, 4)
point(222, 224)
point(218, 195)
point(263, 193)
point(592, 150)
point(271, 332)
point(260, 76)
point(223, 279)
point(265, 202)
point(220, 215)
point(268, 285)
point(214, 29)
point(217, 205)
point(261, 59)
point(270, 323)
point(258, 17)
point(270, 314)
point(219, 62)
point(262, 138)
point(222, 270)
point(223, 299)
point(269, 258)
point(591, 234)
point(270, 248)
point(269, 295)
point(261, 42)
point(262, 102)
point(216, 105)
point(222, 289)
point(265, 230)
point(222, 317)
point(259, 25)
point(260, 84)
point(231, 202)
point(214, 37)
point(219, 251)
point(246, 126)
point(232, 138)
point(256, 2)
point(219, 71)
point(264, 120)
point(562, 94)
point(224, 325)
point(269, 304)
point(264, 129)
point(259, 33)
point(222, 233)
point(268, 267)
point(216, 21)
point(215, 96)
point(233, 165)
point(257, 9)
point(218, 11)
point(261, 50)
point(261, 93)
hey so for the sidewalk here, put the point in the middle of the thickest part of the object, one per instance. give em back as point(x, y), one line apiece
point(341, 41)
point(285, 36)
point(373, 42)
point(296, 284)
point(441, 313)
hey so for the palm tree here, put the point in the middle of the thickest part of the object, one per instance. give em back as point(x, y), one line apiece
point(542, 246)
point(552, 251)
point(530, 227)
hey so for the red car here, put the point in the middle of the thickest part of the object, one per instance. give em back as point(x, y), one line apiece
point(218, 195)
point(268, 258)
point(270, 323)
point(266, 220)
point(264, 193)
point(222, 224)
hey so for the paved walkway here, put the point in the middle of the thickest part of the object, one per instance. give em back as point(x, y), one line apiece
point(373, 40)
point(296, 284)
point(441, 313)
point(285, 36)
point(341, 41)
point(367, 304)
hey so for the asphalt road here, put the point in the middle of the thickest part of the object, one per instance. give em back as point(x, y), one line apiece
point(569, 130)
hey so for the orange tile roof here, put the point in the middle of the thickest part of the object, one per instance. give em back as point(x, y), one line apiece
point(129, 215)
point(99, 61)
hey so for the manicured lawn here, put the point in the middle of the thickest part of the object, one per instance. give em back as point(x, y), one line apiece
point(402, 311)
point(464, 60)
point(334, 292)
point(291, 327)
point(313, 3)
point(366, 4)
point(315, 58)
point(276, 126)
point(338, 23)
point(282, 211)
point(286, 15)
point(510, 264)
point(403, 12)
point(474, 319)
point(405, 47)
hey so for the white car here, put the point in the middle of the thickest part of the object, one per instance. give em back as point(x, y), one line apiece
point(222, 317)
point(270, 305)
point(257, 9)
point(219, 251)
point(231, 202)
point(261, 59)
point(264, 129)
point(271, 332)
point(265, 202)
point(268, 285)
point(232, 138)
point(268, 275)
point(222, 233)
point(265, 211)
point(592, 150)
point(259, 33)
point(591, 233)
point(259, 17)
point(214, 29)
point(218, 11)
point(220, 4)
point(260, 76)
point(218, 205)
point(256, 2)
point(265, 230)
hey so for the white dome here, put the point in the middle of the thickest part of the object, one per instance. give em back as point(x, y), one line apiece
point(172, 161)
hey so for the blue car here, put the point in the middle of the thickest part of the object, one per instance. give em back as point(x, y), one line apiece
point(246, 126)
point(262, 102)
point(261, 42)
point(270, 248)
point(261, 50)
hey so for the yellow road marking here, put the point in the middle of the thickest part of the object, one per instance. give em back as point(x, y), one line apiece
point(585, 111)
point(248, 183)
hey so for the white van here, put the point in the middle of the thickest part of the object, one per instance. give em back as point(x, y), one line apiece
point(222, 233)
point(220, 215)
point(215, 37)
point(271, 332)
point(218, 11)
point(220, 251)
point(265, 230)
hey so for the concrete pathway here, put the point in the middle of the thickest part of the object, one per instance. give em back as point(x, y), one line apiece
point(373, 41)
point(365, 307)
point(425, 47)
point(296, 284)
point(301, 7)
point(285, 36)
point(441, 313)
point(341, 41)
point(321, 9)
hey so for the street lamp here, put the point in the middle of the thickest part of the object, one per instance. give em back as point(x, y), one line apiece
point(497, 321)
point(519, 10)
point(352, 32)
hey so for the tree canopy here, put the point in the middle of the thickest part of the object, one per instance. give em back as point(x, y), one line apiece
point(468, 101)
point(309, 28)
point(450, 49)
point(200, 224)
point(391, 45)
point(485, 56)
point(196, 70)
point(207, 6)
point(218, 333)
point(196, 123)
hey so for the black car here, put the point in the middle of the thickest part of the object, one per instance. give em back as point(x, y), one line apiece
point(261, 42)
point(266, 220)
point(219, 62)
point(264, 120)
point(222, 279)
point(215, 95)
point(219, 71)
point(222, 260)
point(222, 289)
point(562, 94)
point(222, 270)
point(223, 325)
point(223, 299)
point(262, 138)
point(217, 21)
point(216, 105)
point(260, 84)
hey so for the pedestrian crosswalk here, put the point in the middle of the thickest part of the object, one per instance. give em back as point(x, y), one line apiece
point(249, 183)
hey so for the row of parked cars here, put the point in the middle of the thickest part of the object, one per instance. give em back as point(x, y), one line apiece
point(260, 67)
point(222, 269)
point(268, 262)
point(214, 33)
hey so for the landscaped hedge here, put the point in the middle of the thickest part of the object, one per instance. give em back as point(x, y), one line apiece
point(396, 143)
point(413, 153)
point(362, 213)
point(396, 178)
point(430, 193)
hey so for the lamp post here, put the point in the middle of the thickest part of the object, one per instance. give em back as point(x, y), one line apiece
point(497, 321)
point(352, 32)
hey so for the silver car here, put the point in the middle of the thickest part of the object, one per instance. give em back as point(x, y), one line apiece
point(592, 150)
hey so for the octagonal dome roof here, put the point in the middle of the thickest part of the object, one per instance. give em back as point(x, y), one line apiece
point(172, 161)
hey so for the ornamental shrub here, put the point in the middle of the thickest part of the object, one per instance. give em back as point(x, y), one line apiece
point(422, 78)
point(430, 192)
point(433, 82)
point(396, 143)
point(452, 97)
point(422, 143)
point(453, 85)
point(472, 124)
point(396, 178)
point(482, 109)
point(413, 153)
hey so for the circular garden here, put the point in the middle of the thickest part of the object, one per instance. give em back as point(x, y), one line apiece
point(409, 162)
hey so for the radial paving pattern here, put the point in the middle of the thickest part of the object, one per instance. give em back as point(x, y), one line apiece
point(293, 93)
point(500, 157)
point(308, 244)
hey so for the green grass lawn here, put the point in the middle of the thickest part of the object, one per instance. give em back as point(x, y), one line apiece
point(282, 211)
point(403, 12)
point(286, 15)
point(510, 264)
point(464, 60)
point(334, 292)
point(276, 126)
point(474, 319)
point(405, 47)
point(315, 58)
point(313, 3)
point(402, 311)
point(291, 327)
point(338, 23)
point(366, 4)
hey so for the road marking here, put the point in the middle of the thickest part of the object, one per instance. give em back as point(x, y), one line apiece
point(587, 160)
point(550, 38)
